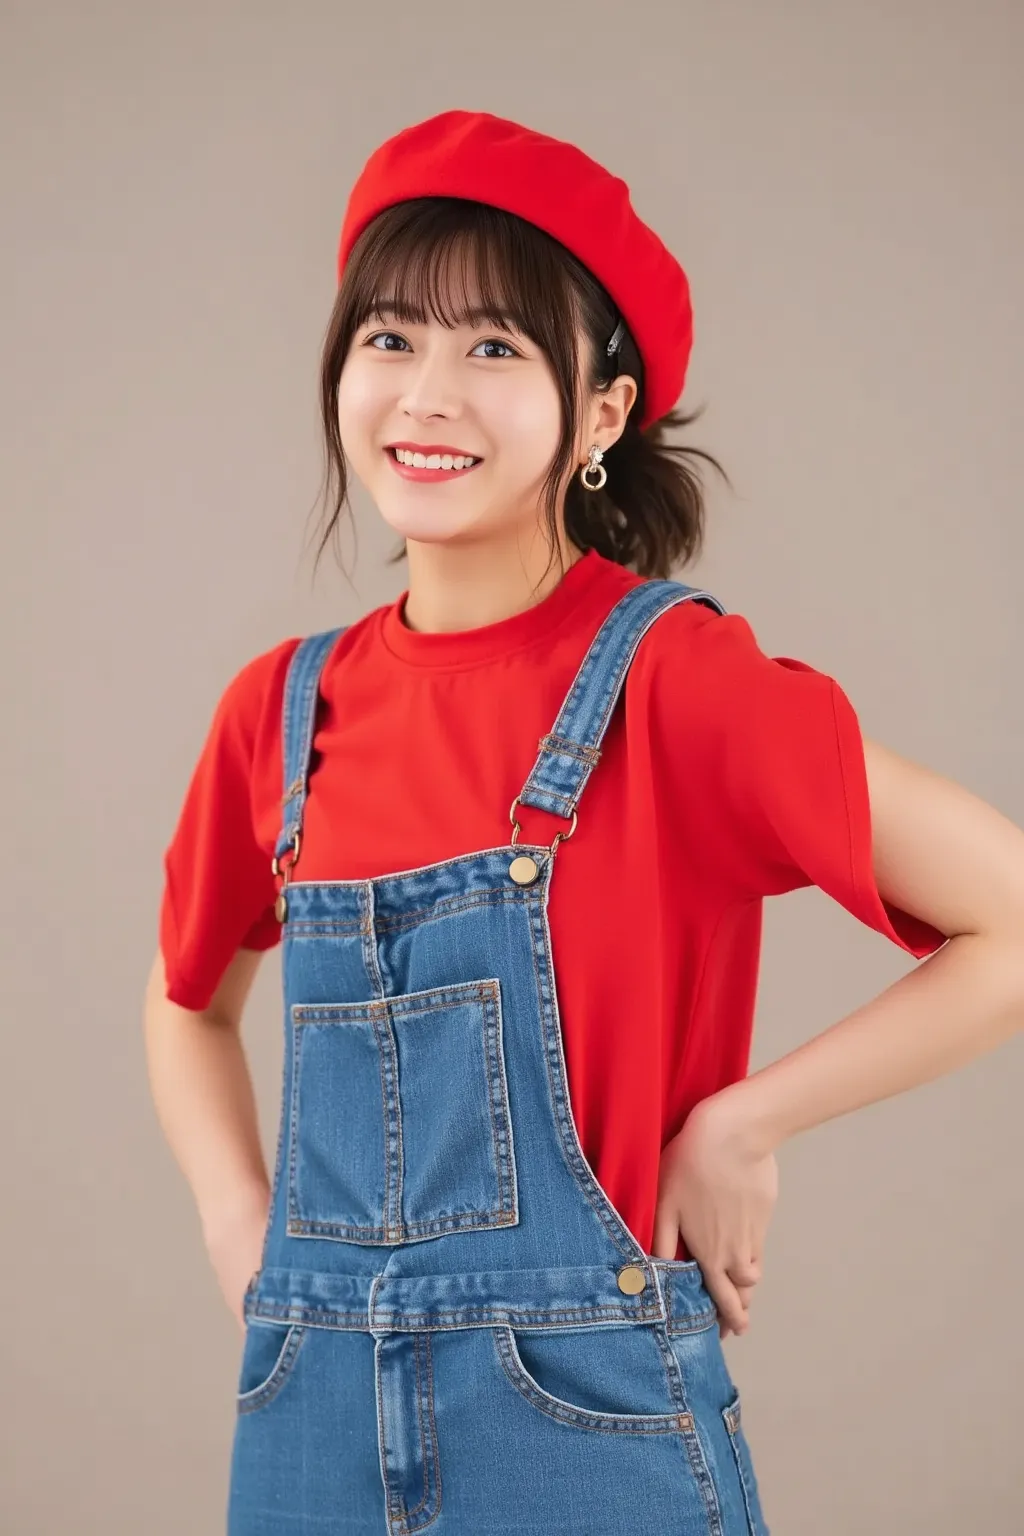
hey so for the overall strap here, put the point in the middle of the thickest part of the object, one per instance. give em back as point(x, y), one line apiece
point(298, 725)
point(570, 751)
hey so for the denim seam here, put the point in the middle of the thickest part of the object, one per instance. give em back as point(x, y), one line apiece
point(731, 1415)
point(501, 1121)
point(568, 1413)
point(569, 748)
point(398, 877)
point(388, 1070)
point(463, 1221)
point(698, 1461)
point(403, 1521)
point(549, 1025)
point(475, 991)
point(591, 665)
point(468, 1317)
point(247, 1402)
point(447, 906)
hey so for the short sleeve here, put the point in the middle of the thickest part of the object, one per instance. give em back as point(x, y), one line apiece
point(219, 891)
point(784, 782)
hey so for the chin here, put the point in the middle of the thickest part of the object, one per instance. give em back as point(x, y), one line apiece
point(429, 529)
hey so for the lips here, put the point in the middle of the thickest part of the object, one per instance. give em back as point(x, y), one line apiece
point(412, 472)
point(428, 448)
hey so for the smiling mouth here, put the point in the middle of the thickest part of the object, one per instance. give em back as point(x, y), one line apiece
point(418, 460)
point(432, 466)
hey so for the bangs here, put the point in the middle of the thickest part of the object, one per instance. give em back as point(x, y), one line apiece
point(460, 262)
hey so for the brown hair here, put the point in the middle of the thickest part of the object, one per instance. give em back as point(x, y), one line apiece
point(649, 516)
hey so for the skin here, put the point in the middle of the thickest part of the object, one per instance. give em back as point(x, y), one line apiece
point(477, 554)
point(477, 545)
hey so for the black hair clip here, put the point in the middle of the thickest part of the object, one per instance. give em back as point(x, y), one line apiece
point(616, 341)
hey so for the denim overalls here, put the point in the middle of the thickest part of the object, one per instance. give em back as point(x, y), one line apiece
point(451, 1327)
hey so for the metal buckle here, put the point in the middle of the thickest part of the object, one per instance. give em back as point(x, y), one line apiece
point(560, 837)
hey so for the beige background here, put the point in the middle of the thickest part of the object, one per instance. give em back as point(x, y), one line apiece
point(844, 184)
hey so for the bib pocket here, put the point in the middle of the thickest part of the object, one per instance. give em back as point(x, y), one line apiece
point(400, 1128)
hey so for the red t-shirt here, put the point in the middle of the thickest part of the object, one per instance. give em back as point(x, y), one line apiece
point(726, 776)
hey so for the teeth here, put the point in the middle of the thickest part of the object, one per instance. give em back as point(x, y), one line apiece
point(433, 460)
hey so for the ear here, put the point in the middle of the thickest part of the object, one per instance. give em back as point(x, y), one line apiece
point(611, 407)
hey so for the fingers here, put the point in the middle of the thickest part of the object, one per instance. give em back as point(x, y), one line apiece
point(743, 1279)
point(732, 1313)
point(744, 1273)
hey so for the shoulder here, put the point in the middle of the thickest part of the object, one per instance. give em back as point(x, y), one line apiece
point(694, 644)
point(703, 678)
point(255, 691)
point(251, 703)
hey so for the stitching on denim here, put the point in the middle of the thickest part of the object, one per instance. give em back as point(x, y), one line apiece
point(446, 906)
point(737, 1441)
point(425, 1399)
point(278, 1167)
point(433, 1432)
point(391, 1494)
point(501, 1123)
point(404, 1322)
point(569, 748)
point(404, 876)
point(695, 1451)
point(293, 1117)
point(673, 1374)
point(569, 1413)
point(301, 692)
point(462, 1221)
point(267, 1390)
point(406, 1518)
point(455, 994)
point(380, 1013)
point(380, 1027)
point(650, 609)
point(672, 600)
point(551, 1044)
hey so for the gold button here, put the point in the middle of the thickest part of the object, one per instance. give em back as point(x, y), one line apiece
point(524, 870)
point(632, 1280)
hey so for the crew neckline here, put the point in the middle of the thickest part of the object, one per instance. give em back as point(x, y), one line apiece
point(488, 642)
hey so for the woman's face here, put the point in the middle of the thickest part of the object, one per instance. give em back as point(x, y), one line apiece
point(476, 390)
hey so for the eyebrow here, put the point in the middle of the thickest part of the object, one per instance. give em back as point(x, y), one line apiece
point(474, 316)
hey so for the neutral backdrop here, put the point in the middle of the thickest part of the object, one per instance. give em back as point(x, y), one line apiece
point(845, 185)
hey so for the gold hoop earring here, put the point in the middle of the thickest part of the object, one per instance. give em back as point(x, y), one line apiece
point(592, 466)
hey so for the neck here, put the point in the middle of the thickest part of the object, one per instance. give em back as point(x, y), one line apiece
point(456, 587)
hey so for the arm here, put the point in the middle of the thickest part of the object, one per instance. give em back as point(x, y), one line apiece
point(201, 1087)
point(944, 855)
point(941, 854)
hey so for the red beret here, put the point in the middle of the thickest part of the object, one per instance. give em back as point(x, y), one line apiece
point(563, 191)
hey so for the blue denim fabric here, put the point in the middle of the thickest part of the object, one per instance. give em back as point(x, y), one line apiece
point(437, 1335)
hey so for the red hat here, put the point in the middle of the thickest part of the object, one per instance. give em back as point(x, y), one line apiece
point(563, 191)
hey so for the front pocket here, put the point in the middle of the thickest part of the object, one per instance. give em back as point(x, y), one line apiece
point(745, 1467)
point(400, 1126)
point(606, 1379)
point(268, 1356)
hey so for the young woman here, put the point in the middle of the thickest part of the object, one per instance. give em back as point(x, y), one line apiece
point(515, 831)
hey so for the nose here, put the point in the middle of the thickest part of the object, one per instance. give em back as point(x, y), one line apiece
point(430, 386)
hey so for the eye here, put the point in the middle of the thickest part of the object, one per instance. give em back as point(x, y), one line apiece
point(383, 335)
point(494, 342)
